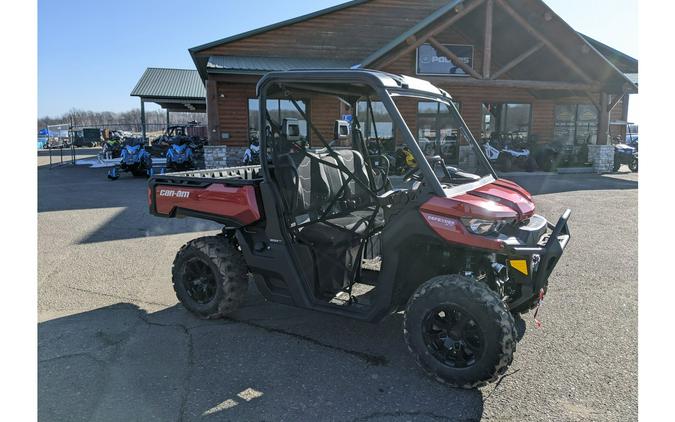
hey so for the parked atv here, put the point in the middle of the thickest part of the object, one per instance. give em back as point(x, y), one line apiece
point(179, 157)
point(112, 148)
point(252, 153)
point(134, 159)
point(623, 154)
point(507, 153)
point(633, 166)
point(459, 254)
point(404, 160)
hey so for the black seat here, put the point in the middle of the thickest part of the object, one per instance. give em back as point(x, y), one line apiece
point(311, 181)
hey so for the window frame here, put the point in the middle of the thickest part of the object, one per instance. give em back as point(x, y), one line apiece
point(507, 103)
point(301, 101)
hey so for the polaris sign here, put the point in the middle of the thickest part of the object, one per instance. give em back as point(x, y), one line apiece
point(429, 62)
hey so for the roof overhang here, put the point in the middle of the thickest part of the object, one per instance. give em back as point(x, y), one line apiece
point(177, 90)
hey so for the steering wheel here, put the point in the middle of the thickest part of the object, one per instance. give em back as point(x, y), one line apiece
point(412, 175)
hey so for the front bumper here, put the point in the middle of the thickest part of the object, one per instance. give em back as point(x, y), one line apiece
point(541, 260)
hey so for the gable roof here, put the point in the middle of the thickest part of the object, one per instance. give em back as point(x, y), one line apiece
point(601, 55)
point(276, 25)
point(170, 83)
point(385, 49)
point(623, 61)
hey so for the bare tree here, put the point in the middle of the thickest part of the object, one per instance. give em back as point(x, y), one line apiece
point(127, 120)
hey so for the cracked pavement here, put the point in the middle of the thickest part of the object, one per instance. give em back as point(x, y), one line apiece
point(113, 344)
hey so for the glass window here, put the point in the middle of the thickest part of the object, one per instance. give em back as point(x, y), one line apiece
point(506, 119)
point(382, 126)
point(278, 110)
point(575, 124)
point(436, 132)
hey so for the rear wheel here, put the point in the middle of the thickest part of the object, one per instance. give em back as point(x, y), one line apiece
point(210, 277)
point(459, 331)
point(617, 164)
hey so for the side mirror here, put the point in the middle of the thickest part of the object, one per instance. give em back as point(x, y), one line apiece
point(341, 130)
point(291, 129)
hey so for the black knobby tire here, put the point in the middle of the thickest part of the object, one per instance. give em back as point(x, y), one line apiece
point(505, 163)
point(633, 166)
point(223, 265)
point(490, 321)
point(617, 164)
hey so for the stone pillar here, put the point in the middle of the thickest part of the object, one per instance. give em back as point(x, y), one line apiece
point(602, 157)
point(215, 156)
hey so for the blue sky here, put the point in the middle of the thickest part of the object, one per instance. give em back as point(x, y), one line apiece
point(91, 53)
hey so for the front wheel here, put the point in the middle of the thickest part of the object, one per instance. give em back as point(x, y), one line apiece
point(633, 166)
point(210, 277)
point(459, 331)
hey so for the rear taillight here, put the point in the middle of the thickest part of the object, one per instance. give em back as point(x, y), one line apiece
point(149, 196)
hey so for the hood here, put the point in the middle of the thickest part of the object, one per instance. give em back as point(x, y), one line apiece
point(624, 147)
point(501, 199)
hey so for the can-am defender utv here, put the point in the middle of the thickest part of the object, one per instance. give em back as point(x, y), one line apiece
point(320, 227)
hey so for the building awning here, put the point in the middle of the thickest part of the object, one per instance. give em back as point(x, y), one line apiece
point(259, 65)
point(173, 89)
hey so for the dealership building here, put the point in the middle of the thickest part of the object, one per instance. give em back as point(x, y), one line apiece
point(511, 66)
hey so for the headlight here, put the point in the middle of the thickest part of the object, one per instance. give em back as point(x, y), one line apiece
point(479, 226)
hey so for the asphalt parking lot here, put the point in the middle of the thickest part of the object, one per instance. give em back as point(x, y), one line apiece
point(114, 345)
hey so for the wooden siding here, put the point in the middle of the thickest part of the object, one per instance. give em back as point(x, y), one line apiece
point(233, 112)
point(345, 34)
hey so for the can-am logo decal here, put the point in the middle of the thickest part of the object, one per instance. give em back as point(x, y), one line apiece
point(174, 193)
point(447, 222)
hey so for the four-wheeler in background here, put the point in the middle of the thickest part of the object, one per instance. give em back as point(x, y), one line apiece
point(624, 154)
point(252, 153)
point(112, 146)
point(507, 151)
point(179, 157)
point(318, 226)
point(134, 158)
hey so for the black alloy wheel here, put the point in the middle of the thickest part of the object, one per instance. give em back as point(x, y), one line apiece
point(199, 281)
point(453, 337)
point(459, 331)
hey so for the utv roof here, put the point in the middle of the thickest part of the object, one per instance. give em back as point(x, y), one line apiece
point(370, 77)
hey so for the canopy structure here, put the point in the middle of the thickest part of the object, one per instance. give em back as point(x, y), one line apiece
point(175, 90)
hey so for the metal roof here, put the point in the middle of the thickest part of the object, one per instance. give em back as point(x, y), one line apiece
point(623, 61)
point(170, 83)
point(256, 65)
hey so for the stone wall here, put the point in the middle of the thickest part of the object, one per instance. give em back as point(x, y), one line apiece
point(602, 157)
point(219, 156)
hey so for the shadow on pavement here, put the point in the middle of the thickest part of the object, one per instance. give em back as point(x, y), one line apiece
point(268, 362)
point(556, 183)
point(79, 189)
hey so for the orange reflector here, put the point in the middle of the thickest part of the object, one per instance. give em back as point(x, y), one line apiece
point(520, 265)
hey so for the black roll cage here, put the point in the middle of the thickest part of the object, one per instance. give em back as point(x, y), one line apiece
point(356, 84)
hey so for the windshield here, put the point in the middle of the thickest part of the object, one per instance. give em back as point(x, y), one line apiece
point(441, 134)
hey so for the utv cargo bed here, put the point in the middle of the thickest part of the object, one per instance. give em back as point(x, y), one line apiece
point(228, 196)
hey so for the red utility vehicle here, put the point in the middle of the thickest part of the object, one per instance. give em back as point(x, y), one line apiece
point(319, 226)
